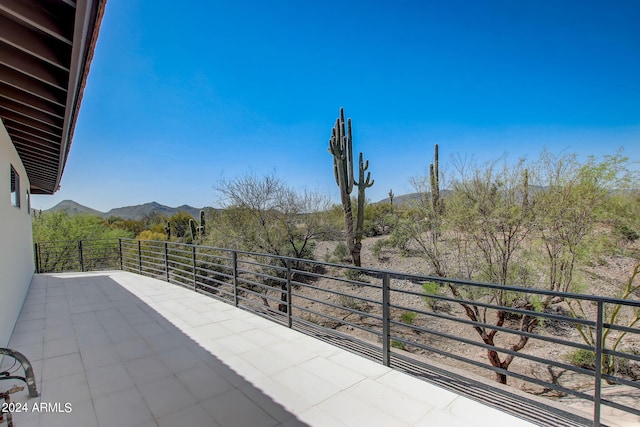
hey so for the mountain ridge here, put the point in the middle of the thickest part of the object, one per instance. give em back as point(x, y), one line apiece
point(146, 209)
point(126, 212)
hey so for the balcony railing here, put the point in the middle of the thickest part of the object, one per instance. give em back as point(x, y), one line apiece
point(391, 317)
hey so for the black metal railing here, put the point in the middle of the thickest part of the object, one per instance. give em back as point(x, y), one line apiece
point(393, 318)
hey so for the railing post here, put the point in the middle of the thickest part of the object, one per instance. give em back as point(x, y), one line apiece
point(80, 257)
point(386, 333)
point(235, 277)
point(166, 259)
point(289, 305)
point(40, 269)
point(120, 252)
point(139, 258)
point(36, 247)
point(193, 257)
point(597, 398)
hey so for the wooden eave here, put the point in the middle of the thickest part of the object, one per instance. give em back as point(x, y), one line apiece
point(46, 47)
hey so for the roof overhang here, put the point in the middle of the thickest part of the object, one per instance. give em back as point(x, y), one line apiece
point(46, 47)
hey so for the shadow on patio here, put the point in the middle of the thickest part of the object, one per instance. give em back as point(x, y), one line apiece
point(118, 361)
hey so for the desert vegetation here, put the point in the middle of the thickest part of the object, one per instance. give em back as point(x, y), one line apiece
point(549, 223)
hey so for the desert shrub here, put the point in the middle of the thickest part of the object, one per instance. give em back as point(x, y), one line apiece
point(352, 274)
point(611, 365)
point(398, 344)
point(582, 358)
point(627, 233)
point(341, 252)
point(401, 237)
point(151, 235)
point(352, 303)
point(432, 290)
point(369, 229)
point(408, 317)
point(378, 246)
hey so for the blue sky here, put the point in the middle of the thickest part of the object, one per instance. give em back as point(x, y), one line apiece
point(179, 98)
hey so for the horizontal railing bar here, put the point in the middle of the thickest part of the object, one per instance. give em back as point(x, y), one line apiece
point(260, 295)
point(502, 308)
point(463, 382)
point(341, 321)
point(260, 285)
point(622, 355)
point(512, 331)
point(537, 291)
point(339, 307)
point(620, 406)
point(497, 370)
point(633, 330)
point(217, 273)
point(263, 275)
point(202, 263)
point(372, 301)
point(338, 279)
point(495, 348)
point(212, 290)
point(172, 265)
point(256, 263)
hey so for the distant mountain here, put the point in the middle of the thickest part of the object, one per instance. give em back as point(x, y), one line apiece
point(141, 211)
point(415, 197)
point(403, 199)
point(126, 212)
point(73, 208)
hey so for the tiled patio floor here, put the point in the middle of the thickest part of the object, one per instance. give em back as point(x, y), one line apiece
point(127, 350)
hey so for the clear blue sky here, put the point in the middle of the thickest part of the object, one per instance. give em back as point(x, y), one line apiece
point(181, 96)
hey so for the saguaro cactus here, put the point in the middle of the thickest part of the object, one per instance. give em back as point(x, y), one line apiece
point(192, 230)
point(167, 229)
point(201, 228)
point(434, 179)
point(341, 147)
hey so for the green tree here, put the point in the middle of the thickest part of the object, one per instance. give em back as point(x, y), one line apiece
point(60, 226)
point(151, 235)
point(577, 198)
point(67, 230)
point(133, 225)
point(179, 224)
point(492, 206)
point(265, 215)
point(379, 218)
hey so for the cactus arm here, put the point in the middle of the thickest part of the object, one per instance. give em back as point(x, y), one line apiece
point(349, 144)
point(362, 167)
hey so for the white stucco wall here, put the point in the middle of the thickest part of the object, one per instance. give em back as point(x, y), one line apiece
point(16, 241)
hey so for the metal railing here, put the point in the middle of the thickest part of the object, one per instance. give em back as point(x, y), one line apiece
point(391, 317)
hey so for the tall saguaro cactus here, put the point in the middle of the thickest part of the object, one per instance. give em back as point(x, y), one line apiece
point(434, 179)
point(192, 230)
point(341, 147)
point(167, 230)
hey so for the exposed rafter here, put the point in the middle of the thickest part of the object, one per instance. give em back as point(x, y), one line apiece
point(46, 47)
